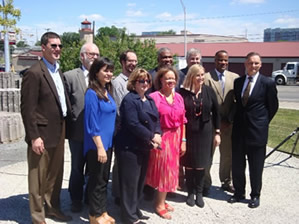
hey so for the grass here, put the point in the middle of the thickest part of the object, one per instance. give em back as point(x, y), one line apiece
point(282, 125)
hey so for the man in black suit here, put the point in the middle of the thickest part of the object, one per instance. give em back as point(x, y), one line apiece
point(257, 103)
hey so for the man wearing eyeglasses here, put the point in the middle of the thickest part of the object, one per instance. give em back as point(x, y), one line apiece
point(128, 61)
point(44, 107)
point(76, 84)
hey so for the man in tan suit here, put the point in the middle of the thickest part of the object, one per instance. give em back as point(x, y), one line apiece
point(222, 81)
point(44, 106)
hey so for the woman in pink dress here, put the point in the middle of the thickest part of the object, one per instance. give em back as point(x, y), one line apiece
point(163, 167)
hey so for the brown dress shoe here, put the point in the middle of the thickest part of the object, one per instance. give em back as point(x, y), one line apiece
point(58, 216)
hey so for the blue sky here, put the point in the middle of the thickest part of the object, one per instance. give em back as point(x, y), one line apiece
point(227, 17)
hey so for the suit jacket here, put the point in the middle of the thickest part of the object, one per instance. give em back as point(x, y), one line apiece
point(138, 123)
point(225, 100)
point(40, 106)
point(76, 87)
point(252, 121)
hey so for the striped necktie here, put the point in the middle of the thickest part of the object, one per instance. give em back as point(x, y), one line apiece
point(247, 91)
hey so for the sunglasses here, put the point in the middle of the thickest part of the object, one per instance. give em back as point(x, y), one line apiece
point(142, 81)
point(54, 46)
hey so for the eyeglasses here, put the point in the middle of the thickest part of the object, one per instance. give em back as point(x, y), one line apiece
point(142, 81)
point(91, 54)
point(54, 46)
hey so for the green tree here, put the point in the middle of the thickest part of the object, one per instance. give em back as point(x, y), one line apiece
point(113, 41)
point(9, 15)
point(22, 44)
point(68, 38)
point(169, 32)
point(69, 58)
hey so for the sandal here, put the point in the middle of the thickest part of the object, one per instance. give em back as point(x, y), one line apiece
point(169, 207)
point(164, 214)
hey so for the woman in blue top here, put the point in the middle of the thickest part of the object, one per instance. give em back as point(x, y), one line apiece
point(99, 119)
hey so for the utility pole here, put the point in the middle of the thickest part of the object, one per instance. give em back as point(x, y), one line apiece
point(185, 34)
point(6, 43)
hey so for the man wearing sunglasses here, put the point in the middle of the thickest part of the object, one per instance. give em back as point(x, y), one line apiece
point(76, 84)
point(44, 107)
point(128, 61)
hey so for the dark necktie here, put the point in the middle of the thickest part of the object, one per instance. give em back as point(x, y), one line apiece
point(246, 91)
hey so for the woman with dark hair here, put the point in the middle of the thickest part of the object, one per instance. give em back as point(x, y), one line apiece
point(163, 168)
point(99, 120)
point(203, 117)
point(139, 132)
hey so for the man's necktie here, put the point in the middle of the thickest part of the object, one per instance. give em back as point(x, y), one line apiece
point(221, 82)
point(246, 91)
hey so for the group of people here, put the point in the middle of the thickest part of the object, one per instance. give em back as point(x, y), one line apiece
point(162, 124)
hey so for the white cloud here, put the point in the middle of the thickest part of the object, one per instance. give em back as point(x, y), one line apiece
point(287, 21)
point(92, 17)
point(134, 13)
point(164, 15)
point(131, 4)
point(248, 1)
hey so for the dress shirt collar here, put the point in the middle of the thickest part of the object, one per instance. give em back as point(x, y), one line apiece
point(53, 68)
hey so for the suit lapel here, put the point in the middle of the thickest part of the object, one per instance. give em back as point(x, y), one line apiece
point(216, 84)
point(50, 81)
point(229, 83)
point(81, 79)
point(255, 89)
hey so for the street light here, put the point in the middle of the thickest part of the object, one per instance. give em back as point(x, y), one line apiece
point(185, 35)
point(6, 43)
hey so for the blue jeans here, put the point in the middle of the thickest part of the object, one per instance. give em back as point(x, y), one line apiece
point(76, 184)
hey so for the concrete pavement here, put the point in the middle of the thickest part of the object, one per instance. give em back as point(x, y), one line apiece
point(279, 199)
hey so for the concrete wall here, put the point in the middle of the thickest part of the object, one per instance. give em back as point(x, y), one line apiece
point(11, 125)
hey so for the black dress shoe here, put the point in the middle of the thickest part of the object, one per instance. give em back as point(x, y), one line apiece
point(228, 188)
point(254, 202)
point(141, 216)
point(235, 198)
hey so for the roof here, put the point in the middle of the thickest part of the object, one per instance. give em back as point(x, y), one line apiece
point(241, 49)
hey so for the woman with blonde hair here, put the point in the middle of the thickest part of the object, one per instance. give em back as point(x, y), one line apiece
point(203, 118)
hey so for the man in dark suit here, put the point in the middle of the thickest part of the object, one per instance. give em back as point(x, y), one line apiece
point(257, 103)
point(165, 58)
point(76, 84)
point(193, 57)
point(222, 82)
point(44, 106)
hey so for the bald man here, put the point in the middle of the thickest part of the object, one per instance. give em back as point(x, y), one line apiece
point(76, 84)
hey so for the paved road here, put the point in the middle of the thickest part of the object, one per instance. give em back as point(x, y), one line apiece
point(288, 93)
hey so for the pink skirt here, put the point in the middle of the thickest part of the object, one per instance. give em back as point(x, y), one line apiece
point(163, 166)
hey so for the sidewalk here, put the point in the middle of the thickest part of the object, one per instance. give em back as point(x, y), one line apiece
point(279, 200)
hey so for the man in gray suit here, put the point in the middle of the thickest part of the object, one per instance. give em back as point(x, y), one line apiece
point(76, 84)
point(222, 81)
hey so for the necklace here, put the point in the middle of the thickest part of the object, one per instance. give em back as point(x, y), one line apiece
point(197, 105)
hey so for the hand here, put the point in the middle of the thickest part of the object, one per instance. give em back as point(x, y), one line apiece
point(183, 149)
point(102, 155)
point(217, 140)
point(155, 145)
point(157, 139)
point(38, 146)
